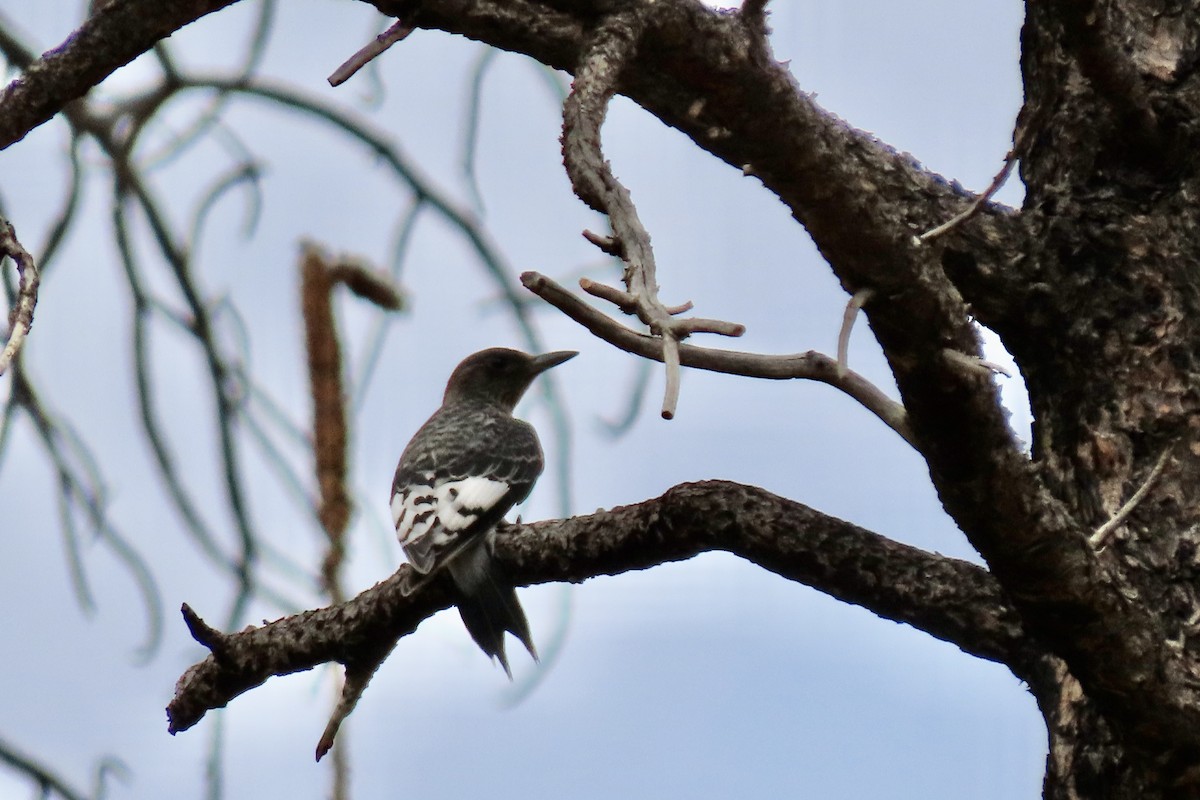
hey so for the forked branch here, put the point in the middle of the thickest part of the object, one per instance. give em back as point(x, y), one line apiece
point(810, 365)
point(597, 78)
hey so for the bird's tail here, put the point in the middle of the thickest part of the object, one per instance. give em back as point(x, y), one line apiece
point(488, 603)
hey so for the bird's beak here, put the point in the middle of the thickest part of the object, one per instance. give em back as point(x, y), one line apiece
point(547, 360)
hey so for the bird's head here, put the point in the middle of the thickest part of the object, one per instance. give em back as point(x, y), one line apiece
point(500, 375)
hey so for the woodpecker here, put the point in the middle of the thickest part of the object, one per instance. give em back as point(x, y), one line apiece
point(464, 469)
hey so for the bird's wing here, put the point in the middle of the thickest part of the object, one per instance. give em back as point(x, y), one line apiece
point(449, 488)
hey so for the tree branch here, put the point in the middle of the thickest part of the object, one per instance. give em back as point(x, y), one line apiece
point(109, 39)
point(608, 51)
point(48, 781)
point(397, 32)
point(811, 365)
point(952, 600)
point(21, 318)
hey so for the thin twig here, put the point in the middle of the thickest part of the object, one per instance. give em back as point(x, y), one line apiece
point(47, 780)
point(471, 126)
point(670, 353)
point(66, 216)
point(353, 685)
point(606, 244)
point(21, 317)
point(398, 31)
point(860, 299)
point(1010, 159)
point(973, 364)
point(622, 300)
point(1101, 536)
point(80, 491)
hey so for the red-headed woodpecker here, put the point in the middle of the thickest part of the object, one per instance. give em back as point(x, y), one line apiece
point(464, 469)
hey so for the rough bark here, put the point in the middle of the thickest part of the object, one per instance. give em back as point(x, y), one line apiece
point(951, 599)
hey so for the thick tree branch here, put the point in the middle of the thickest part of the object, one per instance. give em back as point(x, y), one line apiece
point(116, 34)
point(950, 599)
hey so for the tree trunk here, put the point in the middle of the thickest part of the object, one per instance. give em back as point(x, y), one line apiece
point(1106, 334)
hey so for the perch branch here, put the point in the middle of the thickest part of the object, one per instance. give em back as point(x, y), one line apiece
point(949, 599)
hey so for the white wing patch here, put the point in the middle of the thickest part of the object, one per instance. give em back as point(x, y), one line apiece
point(429, 517)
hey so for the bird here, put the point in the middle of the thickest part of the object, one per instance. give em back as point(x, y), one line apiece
point(463, 470)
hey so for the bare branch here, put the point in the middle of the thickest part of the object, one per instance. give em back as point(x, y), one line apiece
point(606, 244)
point(21, 317)
point(397, 32)
point(973, 365)
point(857, 301)
point(48, 781)
point(605, 56)
point(80, 491)
point(622, 300)
point(353, 686)
point(810, 365)
point(950, 599)
point(670, 358)
point(1100, 537)
point(107, 40)
point(1010, 159)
